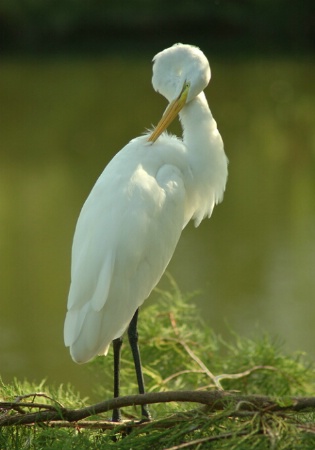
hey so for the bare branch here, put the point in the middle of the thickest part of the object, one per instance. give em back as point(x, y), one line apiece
point(213, 400)
point(184, 344)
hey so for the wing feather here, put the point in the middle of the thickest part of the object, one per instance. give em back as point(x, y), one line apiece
point(125, 237)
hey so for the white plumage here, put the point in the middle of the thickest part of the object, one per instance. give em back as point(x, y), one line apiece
point(131, 222)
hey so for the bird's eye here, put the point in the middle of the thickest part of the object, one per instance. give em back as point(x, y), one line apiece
point(186, 86)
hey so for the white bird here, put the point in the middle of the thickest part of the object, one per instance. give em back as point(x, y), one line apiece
point(131, 222)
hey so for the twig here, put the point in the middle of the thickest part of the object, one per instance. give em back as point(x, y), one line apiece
point(192, 354)
point(309, 428)
point(206, 439)
point(37, 394)
point(177, 374)
point(216, 379)
point(246, 373)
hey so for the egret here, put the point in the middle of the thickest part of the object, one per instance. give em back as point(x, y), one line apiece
point(131, 222)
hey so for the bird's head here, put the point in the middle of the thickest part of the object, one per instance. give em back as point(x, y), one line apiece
point(180, 73)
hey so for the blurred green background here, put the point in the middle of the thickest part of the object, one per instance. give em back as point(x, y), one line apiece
point(75, 87)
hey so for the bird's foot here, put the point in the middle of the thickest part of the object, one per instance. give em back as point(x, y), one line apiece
point(116, 416)
point(145, 414)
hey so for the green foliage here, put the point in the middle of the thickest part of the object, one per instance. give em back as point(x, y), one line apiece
point(173, 340)
point(40, 437)
point(62, 394)
point(179, 352)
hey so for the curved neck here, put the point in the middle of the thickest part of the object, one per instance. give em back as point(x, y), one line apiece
point(206, 157)
point(196, 118)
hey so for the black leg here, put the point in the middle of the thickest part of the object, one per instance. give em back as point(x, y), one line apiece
point(133, 340)
point(117, 343)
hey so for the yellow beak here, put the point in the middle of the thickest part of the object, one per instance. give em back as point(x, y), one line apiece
point(171, 112)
